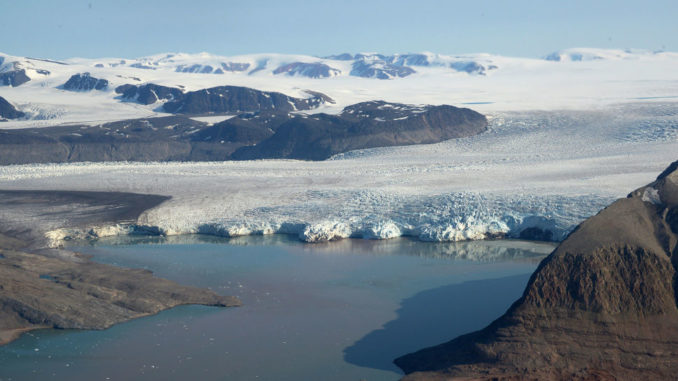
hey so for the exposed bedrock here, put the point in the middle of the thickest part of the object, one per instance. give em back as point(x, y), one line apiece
point(234, 99)
point(365, 125)
point(250, 135)
point(601, 306)
point(8, 111)
point(14, 78)
point(84, 82)
point(220, 99)
point(149, 93)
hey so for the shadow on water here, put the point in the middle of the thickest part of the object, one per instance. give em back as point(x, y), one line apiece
point(482, 301)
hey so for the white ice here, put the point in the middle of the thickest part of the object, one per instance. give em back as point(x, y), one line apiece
point(602, 78)
point(546, 169)
point(565, 139)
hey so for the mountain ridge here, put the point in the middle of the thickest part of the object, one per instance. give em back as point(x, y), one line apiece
point(602, 306)
point(492, 82)
point(359, 64)
point(266, 126)
point(7, 110)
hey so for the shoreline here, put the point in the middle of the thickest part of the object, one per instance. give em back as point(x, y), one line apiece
point(611, 284)
point(42, 287)
point(27, 253)
point(7, 336)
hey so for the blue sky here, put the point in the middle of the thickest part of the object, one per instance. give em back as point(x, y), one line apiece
point(125, 28)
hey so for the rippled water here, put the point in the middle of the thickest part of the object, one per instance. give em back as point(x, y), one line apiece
point(334, 311)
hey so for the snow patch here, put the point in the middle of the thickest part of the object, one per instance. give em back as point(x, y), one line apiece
point(651, 195)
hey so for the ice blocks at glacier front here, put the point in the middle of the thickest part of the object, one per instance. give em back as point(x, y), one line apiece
point(537, 172)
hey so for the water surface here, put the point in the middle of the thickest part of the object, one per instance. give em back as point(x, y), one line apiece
point(335, 311)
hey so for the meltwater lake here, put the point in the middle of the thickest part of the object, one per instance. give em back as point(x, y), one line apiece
point(332, 311)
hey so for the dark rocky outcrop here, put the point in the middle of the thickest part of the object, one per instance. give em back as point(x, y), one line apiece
point(149, 93)
point(219, 141)
point(251, 135)
point(233, 99)
point(261, 65)
point(381, 66)
point(151, 139)
point(234, 66)
point(247, 129)
point(340, 57)
point(14, 78)
point(311, 70)
point(364, 125)
point(84, 82)
point(471, 67)
point(195, 68)
point(409, 60)
point(400, 65)
point(7, 111)
point(139, 65)
point(602, 306)
point(379, 69)
point(219, 100)
point(56, 288)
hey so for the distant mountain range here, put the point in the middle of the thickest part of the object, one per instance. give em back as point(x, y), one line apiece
point(253, 123)
point(15, 71)
point(108, 89)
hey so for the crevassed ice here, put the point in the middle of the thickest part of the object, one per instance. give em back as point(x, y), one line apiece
point(540, 169)
point(451, 217)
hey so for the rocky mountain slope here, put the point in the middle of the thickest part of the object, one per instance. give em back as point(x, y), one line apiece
point(364, 125)
point(233, 99)
point(14, 78)
point(84, 82)
point(270, 131)
point(117, 89)
point(602, 306)
point(149, 93)
point(7, 111)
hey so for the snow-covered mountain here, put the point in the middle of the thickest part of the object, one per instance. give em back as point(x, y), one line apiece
point(566, 136)
point(51, 92)
point(591, 54)
point(366, 65)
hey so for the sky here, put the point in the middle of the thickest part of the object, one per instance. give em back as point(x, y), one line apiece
point(123, 28)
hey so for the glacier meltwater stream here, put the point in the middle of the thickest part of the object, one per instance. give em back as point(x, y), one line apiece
point(334, 311)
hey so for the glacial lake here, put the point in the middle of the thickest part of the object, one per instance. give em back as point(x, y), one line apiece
point(333, 311)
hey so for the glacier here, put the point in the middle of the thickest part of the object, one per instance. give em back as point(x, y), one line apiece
point(567, 135)
point(545, 170)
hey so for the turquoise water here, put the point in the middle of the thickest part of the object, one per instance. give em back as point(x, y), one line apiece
point(336, 311)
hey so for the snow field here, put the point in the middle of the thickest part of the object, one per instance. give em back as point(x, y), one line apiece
point(602, 78)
